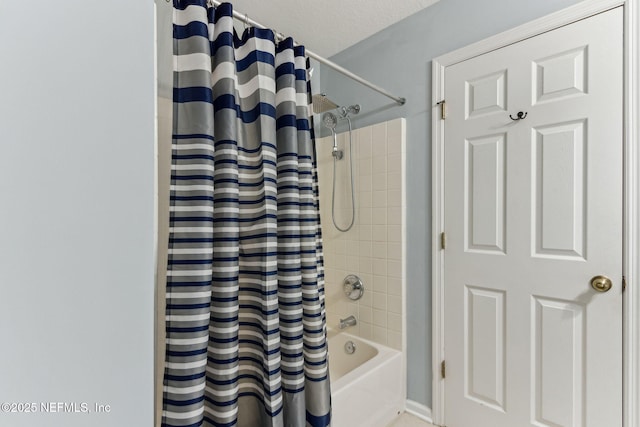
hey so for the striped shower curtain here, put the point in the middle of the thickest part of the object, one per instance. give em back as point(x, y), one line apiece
point(246, 330)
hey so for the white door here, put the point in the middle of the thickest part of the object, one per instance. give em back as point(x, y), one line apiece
point(533, 211)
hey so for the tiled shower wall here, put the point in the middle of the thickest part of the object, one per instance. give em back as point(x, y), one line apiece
point(374, 247)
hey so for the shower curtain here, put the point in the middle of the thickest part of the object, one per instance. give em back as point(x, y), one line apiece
point(246, 329)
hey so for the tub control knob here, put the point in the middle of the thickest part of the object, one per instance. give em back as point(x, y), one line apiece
point(353, 287)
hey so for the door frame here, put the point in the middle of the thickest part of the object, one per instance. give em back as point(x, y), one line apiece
point(631, 183)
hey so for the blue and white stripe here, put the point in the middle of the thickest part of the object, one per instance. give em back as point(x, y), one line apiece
point(246, 327)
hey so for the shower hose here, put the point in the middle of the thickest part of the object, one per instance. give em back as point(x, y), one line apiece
point(333, 194)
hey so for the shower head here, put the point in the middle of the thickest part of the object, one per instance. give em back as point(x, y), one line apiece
point(330, 120)
point(321, 103)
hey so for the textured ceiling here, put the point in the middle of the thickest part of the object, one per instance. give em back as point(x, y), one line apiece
point(329, 26)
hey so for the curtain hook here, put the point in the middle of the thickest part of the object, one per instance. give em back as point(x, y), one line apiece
point(246, 21)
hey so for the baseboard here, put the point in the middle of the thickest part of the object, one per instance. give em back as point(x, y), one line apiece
point(419, 410)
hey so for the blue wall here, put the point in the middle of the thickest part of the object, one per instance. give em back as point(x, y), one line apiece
point(399, 59)
point(77, 211)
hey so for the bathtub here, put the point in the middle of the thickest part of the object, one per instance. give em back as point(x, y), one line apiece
point(368, 386)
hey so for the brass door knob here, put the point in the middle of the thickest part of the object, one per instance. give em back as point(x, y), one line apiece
point(601, 283)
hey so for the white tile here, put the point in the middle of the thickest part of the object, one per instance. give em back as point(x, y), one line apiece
point(329, 275)
point(352, 264)
point(394, 322)
point(365, 232)
point(366, 216)
point(348, 215)
point(379, 250)
point(379, 216)
point(380, 335)
point(328, 245)
point(366, 300)
point(394, 136)
point(333, 319)
point(394, 304)
point(364, 142)
point(379, 138)
point(379, 164)
point(394, 286)
point(367, 280)
point(394, 181)
point(372, 248)
point(394, 269)
point(366, 314)
point(352, 247)
point(380, 284)
point(355, 330)
point(394, 233)
point(366, 331)
point(364, 265)
point(379, 181)
point(380, 267)
point(394, 249)
point(365, 183)
point(365, 248)
point(379, 318)
point(364, 167)
point(325, 218)
point(394, 198)
point(329, 259)
point(379, 199)
point(340, 306)
point(379, 303)
point(379, 233)
point(342, 217)
point(365, 199)
point(331, 281)
point(338, 275)
point(352, 234)
point(394, 339)
point(334, 310)
point(394, 163)
point(353, 309)
point(394, 215)
point(394, 145)
point(343, 138)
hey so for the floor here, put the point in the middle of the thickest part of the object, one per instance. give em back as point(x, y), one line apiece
point(408, 420)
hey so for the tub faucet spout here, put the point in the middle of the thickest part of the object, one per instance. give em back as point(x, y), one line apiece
point(349, 321)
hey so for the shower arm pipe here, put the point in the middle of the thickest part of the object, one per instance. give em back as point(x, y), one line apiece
point(325, 61)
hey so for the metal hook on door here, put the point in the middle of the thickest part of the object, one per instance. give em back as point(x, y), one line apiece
point(520, 115)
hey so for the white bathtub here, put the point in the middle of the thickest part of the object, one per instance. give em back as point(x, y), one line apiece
point(368, 386)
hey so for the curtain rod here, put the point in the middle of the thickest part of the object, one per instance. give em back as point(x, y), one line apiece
point(325, 61)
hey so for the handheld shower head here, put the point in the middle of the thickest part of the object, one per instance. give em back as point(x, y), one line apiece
point(330, 121)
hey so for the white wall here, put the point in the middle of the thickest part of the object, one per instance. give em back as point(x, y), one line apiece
point(76, 210)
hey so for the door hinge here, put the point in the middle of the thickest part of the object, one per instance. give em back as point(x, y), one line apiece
point(624, 283)
point(443, 240)
point(443, 109)
point(443, 370)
